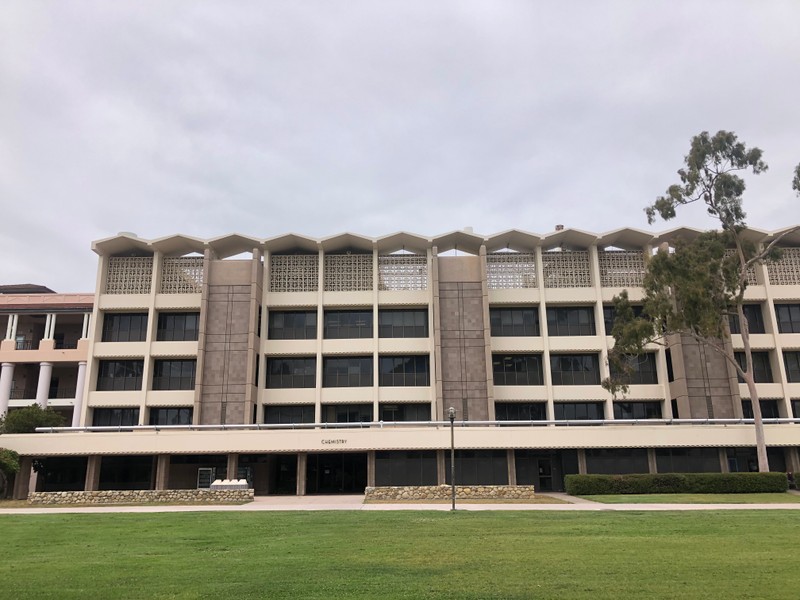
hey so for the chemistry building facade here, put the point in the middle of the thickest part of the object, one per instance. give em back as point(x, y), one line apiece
point(327, 365)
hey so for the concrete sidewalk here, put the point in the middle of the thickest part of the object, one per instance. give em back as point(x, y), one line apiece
point(356, 502)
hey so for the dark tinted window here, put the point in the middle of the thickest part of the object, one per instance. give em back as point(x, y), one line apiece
point(610, 316)
point(578, 411)
point(788, 317)
point(292, 325)
point(762, 372)
point(347, 413)
point(643, 369)
point(114, 417)
point(290, 413)
point(769, 409)
point(286, 373)
point(171, 416)
point(520, 411)
point(405, 412)
point(514, 322)
point(517, 369)
point(755, 320)
point(178, 327)
point(404, 370)
point(119, 375)
point(403, 323)
point(174, 374)
point(348, 324)
point(637, 410)
point(575, 320)
point(792, 362)
point(124, 327)
point(354, 371)
point(575, 369)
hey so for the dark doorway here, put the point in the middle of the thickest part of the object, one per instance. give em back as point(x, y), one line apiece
point(283, 476)
point(336, 473)
point(539, 468)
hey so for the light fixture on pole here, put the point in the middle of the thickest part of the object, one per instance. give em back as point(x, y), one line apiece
point(451, 413)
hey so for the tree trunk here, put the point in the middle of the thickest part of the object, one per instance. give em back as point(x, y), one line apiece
point(758, 423)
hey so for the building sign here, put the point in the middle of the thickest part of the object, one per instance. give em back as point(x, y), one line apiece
point(334, 441)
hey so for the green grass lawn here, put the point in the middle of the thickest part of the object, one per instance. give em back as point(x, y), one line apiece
point(399, 554)
point(785, 498)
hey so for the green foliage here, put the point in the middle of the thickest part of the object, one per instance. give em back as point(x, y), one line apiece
point(676, 483)
point(9, 465)
point(26, 420)
point(796, 180)
point(710, 177)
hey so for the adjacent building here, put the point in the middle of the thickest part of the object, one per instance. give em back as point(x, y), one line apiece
point(326, 365)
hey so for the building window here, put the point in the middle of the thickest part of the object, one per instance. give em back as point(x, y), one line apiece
point(755, 320)
point(171, 416)
point(579, 411)
point(796, 408)
point(124, 327)
point(405, 412)
point(115, 417)
point(119, 375)
point(762, 372)
point(792, 362)
point(788, 317)
point(291, 373)
point(610, 316)
point(637, 410)
point(174, 374)
point(520, 411)
point(612, 461)
point(353, 371)
point(347, 413)
point(643, 370)
point(575, 369)
point(178, 327)
point(570, 320)
point(769, 409)
point(517, 369)
point(687, 460)
point(348, 324)
point(514, 322)
point(292, 325)
point(411, 323)
point(404, 370)
point(288, 414)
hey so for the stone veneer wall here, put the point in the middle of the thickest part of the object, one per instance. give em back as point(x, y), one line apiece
point(444, 492)
point(143, 497)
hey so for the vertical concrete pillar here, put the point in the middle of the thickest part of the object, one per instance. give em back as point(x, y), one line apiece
point(162, 471)
point(93, 464)
point(371, 468)
point(652, 464)
point(6, 379)
point(233, 466)
point(23, 478)
point(50, 327)
point(723, 461)
point(511, 459)
point(10, 327)
point(43, 388)
point(441, 467)
point(302, 463)
point(79, 385)
point(581, 461)
point(85, 328)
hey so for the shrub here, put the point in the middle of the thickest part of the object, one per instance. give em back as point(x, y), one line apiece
point(676, 483)
point(26, 420)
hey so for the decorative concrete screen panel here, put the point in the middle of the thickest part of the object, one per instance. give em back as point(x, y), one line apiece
point(785, 271)
point(348, 272)
point(294, 273)
point(129, 274)
point(510, 270)
point(751, 271)
point(403, 272)
point(621, 268)
point(566, 269)
point(182, 275)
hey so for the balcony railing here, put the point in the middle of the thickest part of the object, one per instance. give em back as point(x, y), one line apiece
point(422, 424)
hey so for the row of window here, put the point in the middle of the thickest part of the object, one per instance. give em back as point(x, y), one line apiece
point(358, 413)
point(579, 320)
point(132, 327)
point(565, 369)
point(762, 369)
point(351, 371)
point(126, 375)
point(347, 324)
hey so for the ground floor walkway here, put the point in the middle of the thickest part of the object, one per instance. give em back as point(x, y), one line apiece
point(356, 502)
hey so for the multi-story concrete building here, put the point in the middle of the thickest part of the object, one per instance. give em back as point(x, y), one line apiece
point(325, 365)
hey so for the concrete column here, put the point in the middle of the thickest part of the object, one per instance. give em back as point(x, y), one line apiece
point(581, 461)
point(50, 326)
point(93, 473)
point(233, 465)
point(79, 385)
point(6, 379)
point(43, 388)
point(652, 464)
point(162, 471)
point(85, 329)
point(371, 468)
point(441, 467)
point(302, 462)
point(10, 327)
point(23, 478)
point(511, 459)
point(723, 461)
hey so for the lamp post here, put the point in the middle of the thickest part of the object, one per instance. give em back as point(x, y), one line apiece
point(451, 413)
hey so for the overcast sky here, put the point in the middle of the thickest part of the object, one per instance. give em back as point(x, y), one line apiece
point(262, 118)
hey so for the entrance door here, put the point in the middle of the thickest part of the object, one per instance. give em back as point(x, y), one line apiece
point(284, 474)
point(344, 473)
point(545, 469)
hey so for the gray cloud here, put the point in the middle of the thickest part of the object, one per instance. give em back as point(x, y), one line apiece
point(319, 117)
